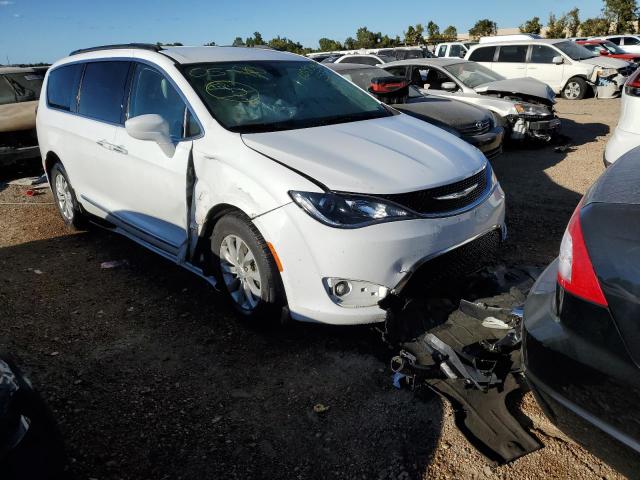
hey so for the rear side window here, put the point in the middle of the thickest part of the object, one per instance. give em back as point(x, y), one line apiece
point(631, 41)
point(513, 53)
point(362, 60)
point(151, 92)
point(62, 87)
point(484, 54)
point(442, 51)
point(543, 54)
point(455, 51)
point(102, 91)
point(615, 40)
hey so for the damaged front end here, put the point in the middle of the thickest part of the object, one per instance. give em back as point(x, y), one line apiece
point(608, 82)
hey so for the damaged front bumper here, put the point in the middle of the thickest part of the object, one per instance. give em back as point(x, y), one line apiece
point(383, 255)
point(534, 127)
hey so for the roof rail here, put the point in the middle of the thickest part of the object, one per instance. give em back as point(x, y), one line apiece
point(142, 46)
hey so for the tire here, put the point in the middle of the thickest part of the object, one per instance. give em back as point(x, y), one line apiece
point(575, 89)
point(256, 291)
point(65, 198)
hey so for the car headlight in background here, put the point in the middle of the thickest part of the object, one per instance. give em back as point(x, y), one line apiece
point(532, 109)
point(607, 72)
point(348, 211)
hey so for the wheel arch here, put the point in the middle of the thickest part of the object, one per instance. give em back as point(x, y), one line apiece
point(50, 159)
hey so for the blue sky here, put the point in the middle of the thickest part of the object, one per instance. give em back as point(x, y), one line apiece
point(45, 30)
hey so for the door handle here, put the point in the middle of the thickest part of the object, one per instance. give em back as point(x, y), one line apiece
point(104, 144)
point(119, 149)
point(533, 68)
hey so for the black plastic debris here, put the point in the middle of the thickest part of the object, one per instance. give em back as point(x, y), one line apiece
point(471, 357)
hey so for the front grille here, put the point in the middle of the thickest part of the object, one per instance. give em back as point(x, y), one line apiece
point(427, 202)
point(476, 128)
point(626, 71)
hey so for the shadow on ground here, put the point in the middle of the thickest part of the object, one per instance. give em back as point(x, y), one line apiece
point(151, 375)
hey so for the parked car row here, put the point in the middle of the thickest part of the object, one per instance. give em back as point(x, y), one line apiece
point(568, 68)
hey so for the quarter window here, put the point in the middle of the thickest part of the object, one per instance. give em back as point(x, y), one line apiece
point(484, 54)
point(102, 91)
point(151, 92)
point(62, 87)
point(513, 53)
point(543, 54)
point(631, 41)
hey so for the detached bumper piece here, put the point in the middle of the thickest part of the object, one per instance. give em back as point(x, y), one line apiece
point(473, 361)
point(537, 128)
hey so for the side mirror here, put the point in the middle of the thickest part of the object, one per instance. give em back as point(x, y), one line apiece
point(449, 86)
point(557, 60)
point(604, 52)
point(154, 128)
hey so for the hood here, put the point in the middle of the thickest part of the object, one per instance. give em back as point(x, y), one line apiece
point(606, 62)
point(394, 154)
point(440, 110)
point(529, 87)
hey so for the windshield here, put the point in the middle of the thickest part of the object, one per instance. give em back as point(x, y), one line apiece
point(472, 74)
point(362, 77)
point(265, 96)
point(612, 47)
point(574, 51)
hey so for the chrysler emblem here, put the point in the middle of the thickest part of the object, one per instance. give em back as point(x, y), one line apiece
point(460, 194)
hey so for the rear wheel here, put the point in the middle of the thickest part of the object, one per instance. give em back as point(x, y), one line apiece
point(247, 270)
point(65, 198)
point(575, 89)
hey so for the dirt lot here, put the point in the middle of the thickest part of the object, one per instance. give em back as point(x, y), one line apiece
point(152, 376)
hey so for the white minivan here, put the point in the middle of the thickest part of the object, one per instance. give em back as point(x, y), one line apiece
point(568, 68)
point(262, 171)
point(626, 136)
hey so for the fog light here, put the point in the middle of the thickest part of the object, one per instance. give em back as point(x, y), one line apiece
point(342, 288)
point(354, 293)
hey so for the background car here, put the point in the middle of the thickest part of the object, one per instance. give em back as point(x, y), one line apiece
point(19, 94)
point(473, 124)
point(609, 49)
point(565, 66)
point(524, 106)
point(363, 59)
point(628, 43)
point(581, 340)
point(626, 135)
point(453, 49)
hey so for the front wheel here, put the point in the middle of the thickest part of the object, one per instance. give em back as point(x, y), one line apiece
point(246, 268)
point(575, 89)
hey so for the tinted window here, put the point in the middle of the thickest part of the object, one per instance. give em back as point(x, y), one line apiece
point(631, 41)
point(615, 40)
point(484, 54)
point(151, 92)
point(442, 51)
point(62, 87)
point(398, 71)
point(455, 51)
point(543, 54)
point(102, 91)
point(361, 60)
point(7, 95)
point(512, 53)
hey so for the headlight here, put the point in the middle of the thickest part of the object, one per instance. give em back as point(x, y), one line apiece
point(348, 211)
point(532, 109)
point(607, 72)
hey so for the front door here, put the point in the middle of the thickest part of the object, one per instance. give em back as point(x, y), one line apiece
point(154, 185)
point(511, 61)
point(541, 66)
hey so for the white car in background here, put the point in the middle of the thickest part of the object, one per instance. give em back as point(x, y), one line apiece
point(628, 43)
point(264, 172)
point(360, 58)
point(568, 68)
point(523, 106)
point(453, 49)
point(626, 136)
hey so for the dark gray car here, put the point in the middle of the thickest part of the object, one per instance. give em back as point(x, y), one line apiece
point(473, 124)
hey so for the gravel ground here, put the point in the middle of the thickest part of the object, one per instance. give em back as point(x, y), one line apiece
point(151, 375)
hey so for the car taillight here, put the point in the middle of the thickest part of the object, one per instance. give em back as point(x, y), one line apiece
point(575, 271)
point(632, 87)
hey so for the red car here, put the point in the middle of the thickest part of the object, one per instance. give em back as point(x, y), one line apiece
point(609, 49)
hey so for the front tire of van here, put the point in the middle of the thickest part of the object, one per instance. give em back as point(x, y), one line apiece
point(246, 269)
point(575, 89)
point(65, 198)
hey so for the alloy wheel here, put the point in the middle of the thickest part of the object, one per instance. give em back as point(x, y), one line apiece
point(572, 90)
point(240, 272)
point(63, 195)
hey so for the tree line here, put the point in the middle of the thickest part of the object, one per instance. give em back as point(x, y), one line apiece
point(617, 16)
